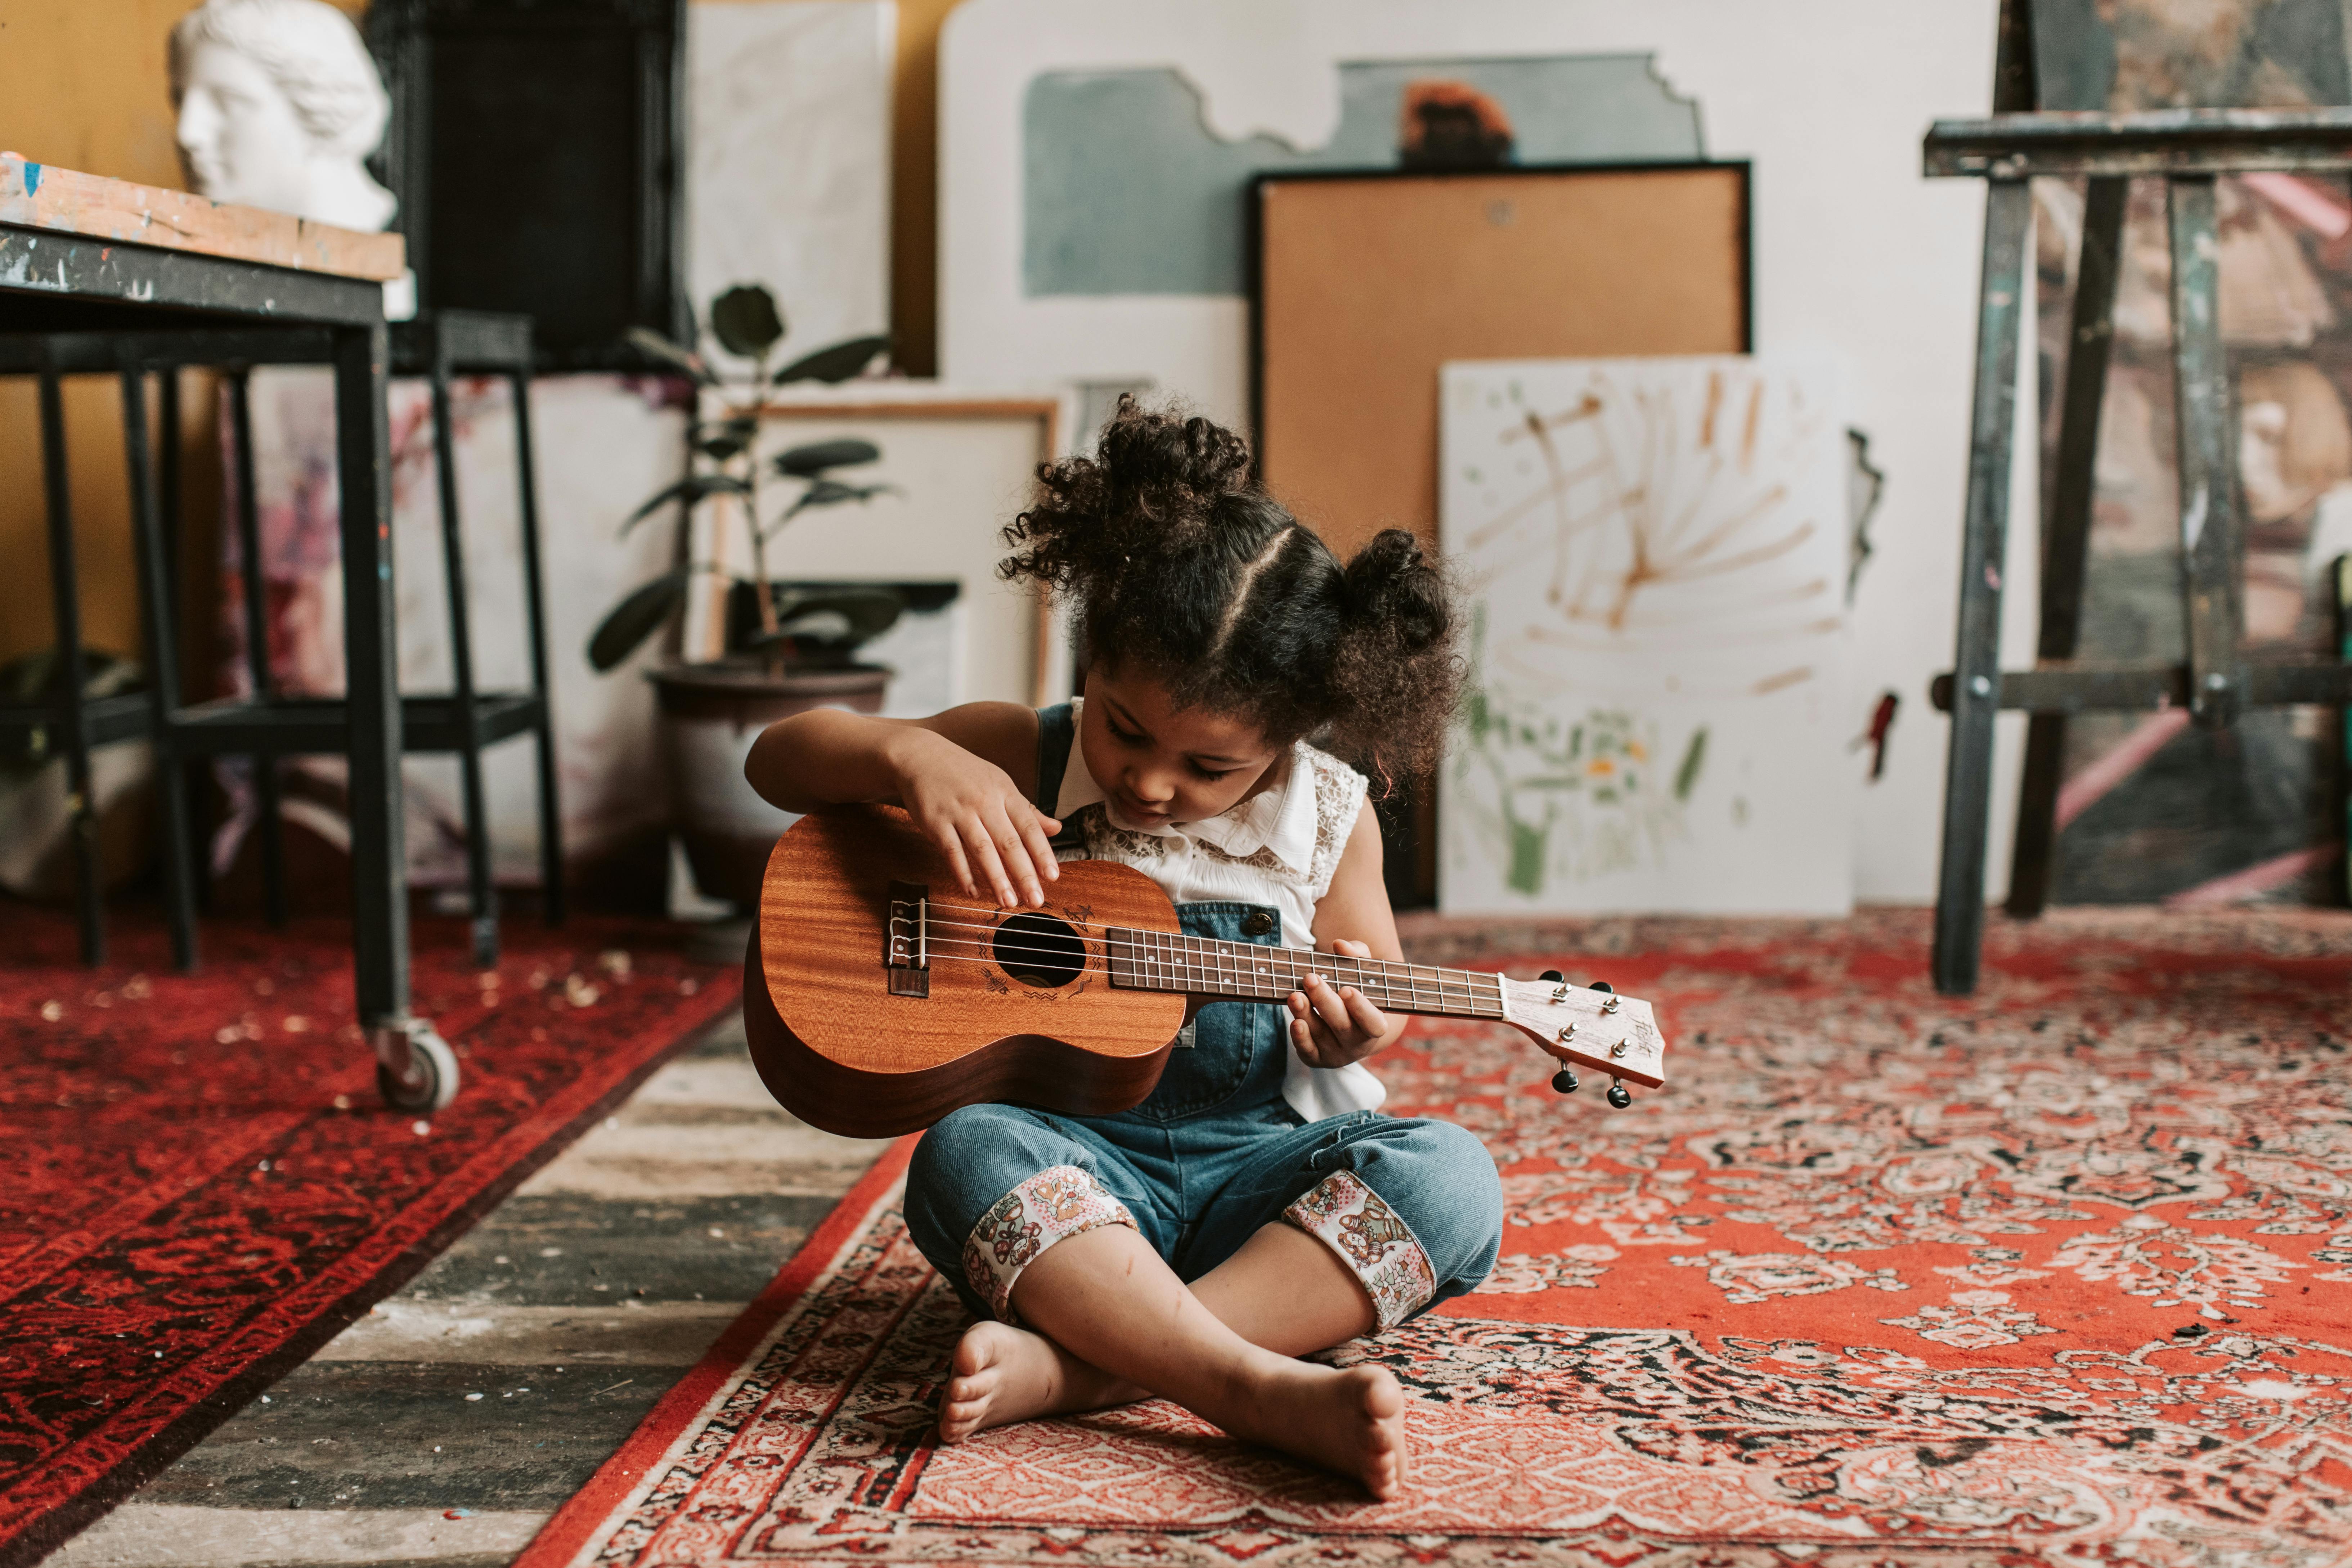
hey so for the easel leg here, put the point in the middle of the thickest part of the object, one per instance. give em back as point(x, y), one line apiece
point(2066, 537)
point(2208, 435)
point(1975, 685)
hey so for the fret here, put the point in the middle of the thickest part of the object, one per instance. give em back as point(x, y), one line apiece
point(1206, 966)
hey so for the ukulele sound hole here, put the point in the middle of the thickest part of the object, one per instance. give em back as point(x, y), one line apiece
point(1038, 949)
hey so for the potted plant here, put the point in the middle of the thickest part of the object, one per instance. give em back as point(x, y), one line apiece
point(792, 650)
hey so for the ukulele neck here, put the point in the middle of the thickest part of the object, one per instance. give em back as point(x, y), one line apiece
point(1244, 971)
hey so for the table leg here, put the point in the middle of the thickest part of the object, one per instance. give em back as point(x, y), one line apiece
point(551, 807)
point(270, 821)
point(482, 896)
point(414, 1070)
point(161, 637)
point(72, 676)
point(1975, 684)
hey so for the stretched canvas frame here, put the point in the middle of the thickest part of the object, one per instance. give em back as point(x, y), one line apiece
point(1370, 281)
point(937, 531)
point(1373, 280)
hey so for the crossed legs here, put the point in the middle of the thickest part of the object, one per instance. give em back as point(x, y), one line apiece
point(1113, 1323)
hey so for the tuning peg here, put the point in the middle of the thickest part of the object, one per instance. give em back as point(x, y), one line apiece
point(1551, 974)
point(1600, 986)
point(1564, 1080)
point(1620, 1096)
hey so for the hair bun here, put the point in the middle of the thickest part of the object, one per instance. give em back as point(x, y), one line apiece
point(1146, 451)
point(1393, 587)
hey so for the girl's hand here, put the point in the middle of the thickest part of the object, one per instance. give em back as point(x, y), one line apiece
point(1333, 1025)
point(975, 813)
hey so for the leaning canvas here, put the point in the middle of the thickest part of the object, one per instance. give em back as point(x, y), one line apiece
point(1654, 554)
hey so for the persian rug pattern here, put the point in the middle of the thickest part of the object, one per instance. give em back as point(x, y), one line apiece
point(199, 1185)
point(2061, 1273)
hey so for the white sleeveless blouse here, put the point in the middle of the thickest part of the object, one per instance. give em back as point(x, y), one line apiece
point(1278, 847)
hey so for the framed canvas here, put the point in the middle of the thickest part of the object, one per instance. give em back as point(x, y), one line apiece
point(813, 228)
point(535, 146)
point(1373, 280)
point(1652, 556)
point(959, 466)
point(1369, 281)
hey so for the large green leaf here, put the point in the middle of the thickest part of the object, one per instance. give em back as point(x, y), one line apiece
point(837, 616)
point(746, 321)
point(838, 363)
point(655, 346)
point(691, 489)
point(636, 618)
point(806, 462)
point(833, 493)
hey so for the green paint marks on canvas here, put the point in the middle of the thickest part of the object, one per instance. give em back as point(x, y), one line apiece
point(1693, 760)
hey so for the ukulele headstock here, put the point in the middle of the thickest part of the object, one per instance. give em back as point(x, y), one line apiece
point(1589, 1026)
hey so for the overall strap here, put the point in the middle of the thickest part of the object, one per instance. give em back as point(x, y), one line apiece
point(1057, 731)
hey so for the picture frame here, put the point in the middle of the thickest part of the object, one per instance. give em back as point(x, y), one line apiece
point(961, 464)
point(537, 148)
point(1374, 278)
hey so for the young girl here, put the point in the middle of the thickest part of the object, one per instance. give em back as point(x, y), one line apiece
point(1256, 1207)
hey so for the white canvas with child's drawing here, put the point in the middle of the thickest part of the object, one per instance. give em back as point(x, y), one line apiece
point(1654, 554)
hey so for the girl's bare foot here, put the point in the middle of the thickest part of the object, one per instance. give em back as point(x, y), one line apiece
point(1351, 1421)
point(1001, 1373)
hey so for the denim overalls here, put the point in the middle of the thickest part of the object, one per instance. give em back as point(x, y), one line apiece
point(1413, 1207)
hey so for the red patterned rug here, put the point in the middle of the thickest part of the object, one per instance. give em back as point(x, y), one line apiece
point(199, 1186)
point(2058, 1274)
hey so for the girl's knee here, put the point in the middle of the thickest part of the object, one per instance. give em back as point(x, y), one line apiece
point(1453, 1198)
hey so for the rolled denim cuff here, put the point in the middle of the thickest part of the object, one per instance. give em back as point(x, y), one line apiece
point(1372, 1240)
point(1052, 1206)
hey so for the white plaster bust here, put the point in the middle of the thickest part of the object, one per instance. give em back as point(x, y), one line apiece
point(279, 102)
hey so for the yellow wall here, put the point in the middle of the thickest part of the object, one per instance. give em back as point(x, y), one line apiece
point(83, 85)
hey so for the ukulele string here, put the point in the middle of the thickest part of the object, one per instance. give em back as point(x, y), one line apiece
point(1286, 983)
point(1209, 965)
point(1383, 974)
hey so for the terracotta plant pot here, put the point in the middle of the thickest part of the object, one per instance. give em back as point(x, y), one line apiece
point(711, 714)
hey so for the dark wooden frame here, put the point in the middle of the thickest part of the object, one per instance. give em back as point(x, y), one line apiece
point(404, 35)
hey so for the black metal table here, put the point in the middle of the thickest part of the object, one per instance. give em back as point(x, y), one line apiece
point(54, 280)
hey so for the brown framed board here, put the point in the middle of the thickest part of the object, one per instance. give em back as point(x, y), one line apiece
point(1364, 283)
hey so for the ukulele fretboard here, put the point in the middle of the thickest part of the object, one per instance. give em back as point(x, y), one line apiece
point(1240, 971)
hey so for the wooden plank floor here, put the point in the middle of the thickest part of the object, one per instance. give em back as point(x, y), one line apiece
point(444, 1427)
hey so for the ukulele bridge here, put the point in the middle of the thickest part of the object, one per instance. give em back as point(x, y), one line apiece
point(907, 940)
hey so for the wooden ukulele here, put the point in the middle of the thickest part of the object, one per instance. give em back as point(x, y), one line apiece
point(878, 998)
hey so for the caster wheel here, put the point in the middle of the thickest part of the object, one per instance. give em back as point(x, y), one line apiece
point(433, 1069)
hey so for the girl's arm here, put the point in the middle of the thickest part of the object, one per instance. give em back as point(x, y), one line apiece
point(964, 776)
point(1333, 1025)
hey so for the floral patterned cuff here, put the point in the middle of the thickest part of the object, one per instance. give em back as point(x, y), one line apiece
point(1372, 1239)
point(1052, 1206)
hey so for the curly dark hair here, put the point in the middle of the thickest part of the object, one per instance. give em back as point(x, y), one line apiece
point(1175, 558)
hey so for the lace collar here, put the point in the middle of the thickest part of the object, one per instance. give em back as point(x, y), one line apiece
point(1280, 818)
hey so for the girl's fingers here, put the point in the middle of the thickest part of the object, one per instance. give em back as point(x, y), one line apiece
point(1033, 852)
point(1037, 830)
point(1368, 1020)
point(984, 860)
point(1013, 854)
point(1328, 1005)
point(946, 840)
